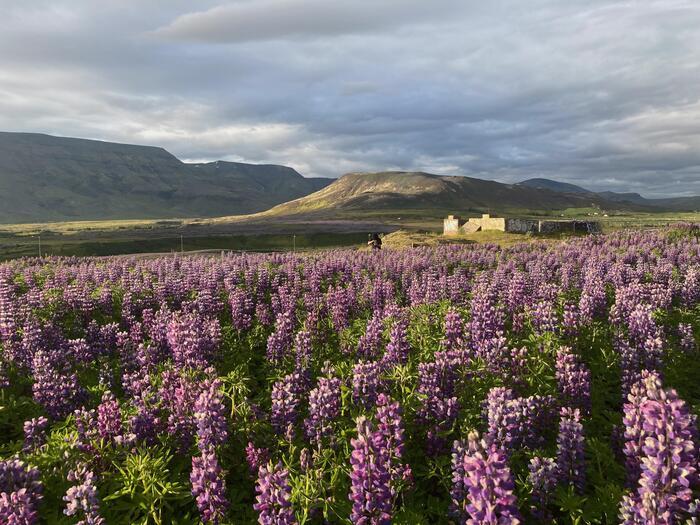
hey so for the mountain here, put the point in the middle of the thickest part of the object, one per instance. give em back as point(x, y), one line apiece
point(548, 184)
point(677, 204)
point(400, 190)
point(47, 178)
point(626, 197)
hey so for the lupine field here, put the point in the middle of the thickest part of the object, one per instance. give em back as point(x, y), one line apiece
point(542, 383)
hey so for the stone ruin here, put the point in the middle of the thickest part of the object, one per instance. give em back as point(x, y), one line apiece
point(453, 225)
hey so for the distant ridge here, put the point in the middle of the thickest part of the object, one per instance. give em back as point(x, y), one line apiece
point(669, 204)
point(548, 184)
point(46, 178)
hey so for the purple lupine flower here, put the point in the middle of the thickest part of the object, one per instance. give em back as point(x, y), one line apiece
point(4, 379)
point(365, 383)
point(280, 341)
point(86, 425)
point(305, 459)
point(687, 338)
point(273, 500)
point(18, 508)
point(690, 291)
point(503, 418)
point(287, 395)
point(496, 354)
point(486, 486)
point(263, 313)
point(570, 456)
point(256, 457)
point(20, 493)
point(340, 302)
point(643, 352)
point(641, 324)
point(544, 477)
point(634, 435)
point(398, 348)
point(593, 300)
point(241, 309)
point(34, 433)
point(210, 415)
point(544, 317)
point(155, 324)
point(439, 407)
point(370, 342)
point(370, 478)
point(55, 388)
point(177, 395)
point(487, 318)
point(667, 458)
point(570, 319)
point(209, 487)
point(574, 380)
point(15, 474)
point(454, 331)
point(515, 422)
point(8, 320)
point(457, 491)
point(81, 498)
point(109, 418)
point(324, 408)
point(145, 424)
point(80, 351)
point(390, 425)
point(302, 351)
point(193, 339)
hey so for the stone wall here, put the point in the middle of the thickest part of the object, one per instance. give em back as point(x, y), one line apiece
point(521, 225)
point(450, 226)
point(486, 222)
point(568, 226)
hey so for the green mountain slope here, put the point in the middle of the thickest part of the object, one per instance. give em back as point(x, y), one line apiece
point(398, 190)
point(46, 178)
point(554, 185)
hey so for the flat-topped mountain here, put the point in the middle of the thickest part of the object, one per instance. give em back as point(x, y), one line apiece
point(47, 178)
point(401, 190)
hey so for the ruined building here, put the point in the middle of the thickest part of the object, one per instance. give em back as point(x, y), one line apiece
point(453, 225)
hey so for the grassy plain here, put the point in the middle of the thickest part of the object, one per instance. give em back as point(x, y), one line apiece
point(265, 233)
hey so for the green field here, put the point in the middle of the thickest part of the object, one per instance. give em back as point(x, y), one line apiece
point(96, 238)
point(29, 246)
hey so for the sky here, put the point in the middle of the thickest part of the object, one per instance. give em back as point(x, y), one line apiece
point(603, 94)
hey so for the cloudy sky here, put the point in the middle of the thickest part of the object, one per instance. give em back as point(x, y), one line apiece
point(601, 93)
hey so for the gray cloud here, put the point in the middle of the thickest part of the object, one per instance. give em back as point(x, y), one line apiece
point(599, 93)
point(279, 19)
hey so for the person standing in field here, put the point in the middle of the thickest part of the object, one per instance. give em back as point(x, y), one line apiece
point(374, 241)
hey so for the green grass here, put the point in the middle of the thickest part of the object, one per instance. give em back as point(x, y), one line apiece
point(258, 243)
point(89, 238)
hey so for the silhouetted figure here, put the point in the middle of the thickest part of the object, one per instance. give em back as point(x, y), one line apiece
point(374, 241)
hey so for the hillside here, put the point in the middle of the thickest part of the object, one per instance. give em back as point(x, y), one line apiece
point(675, 204)
point(46, 178)
point(554, 185)
point(398, 190)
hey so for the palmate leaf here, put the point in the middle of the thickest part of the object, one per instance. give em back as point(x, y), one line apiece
point(144, 490)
